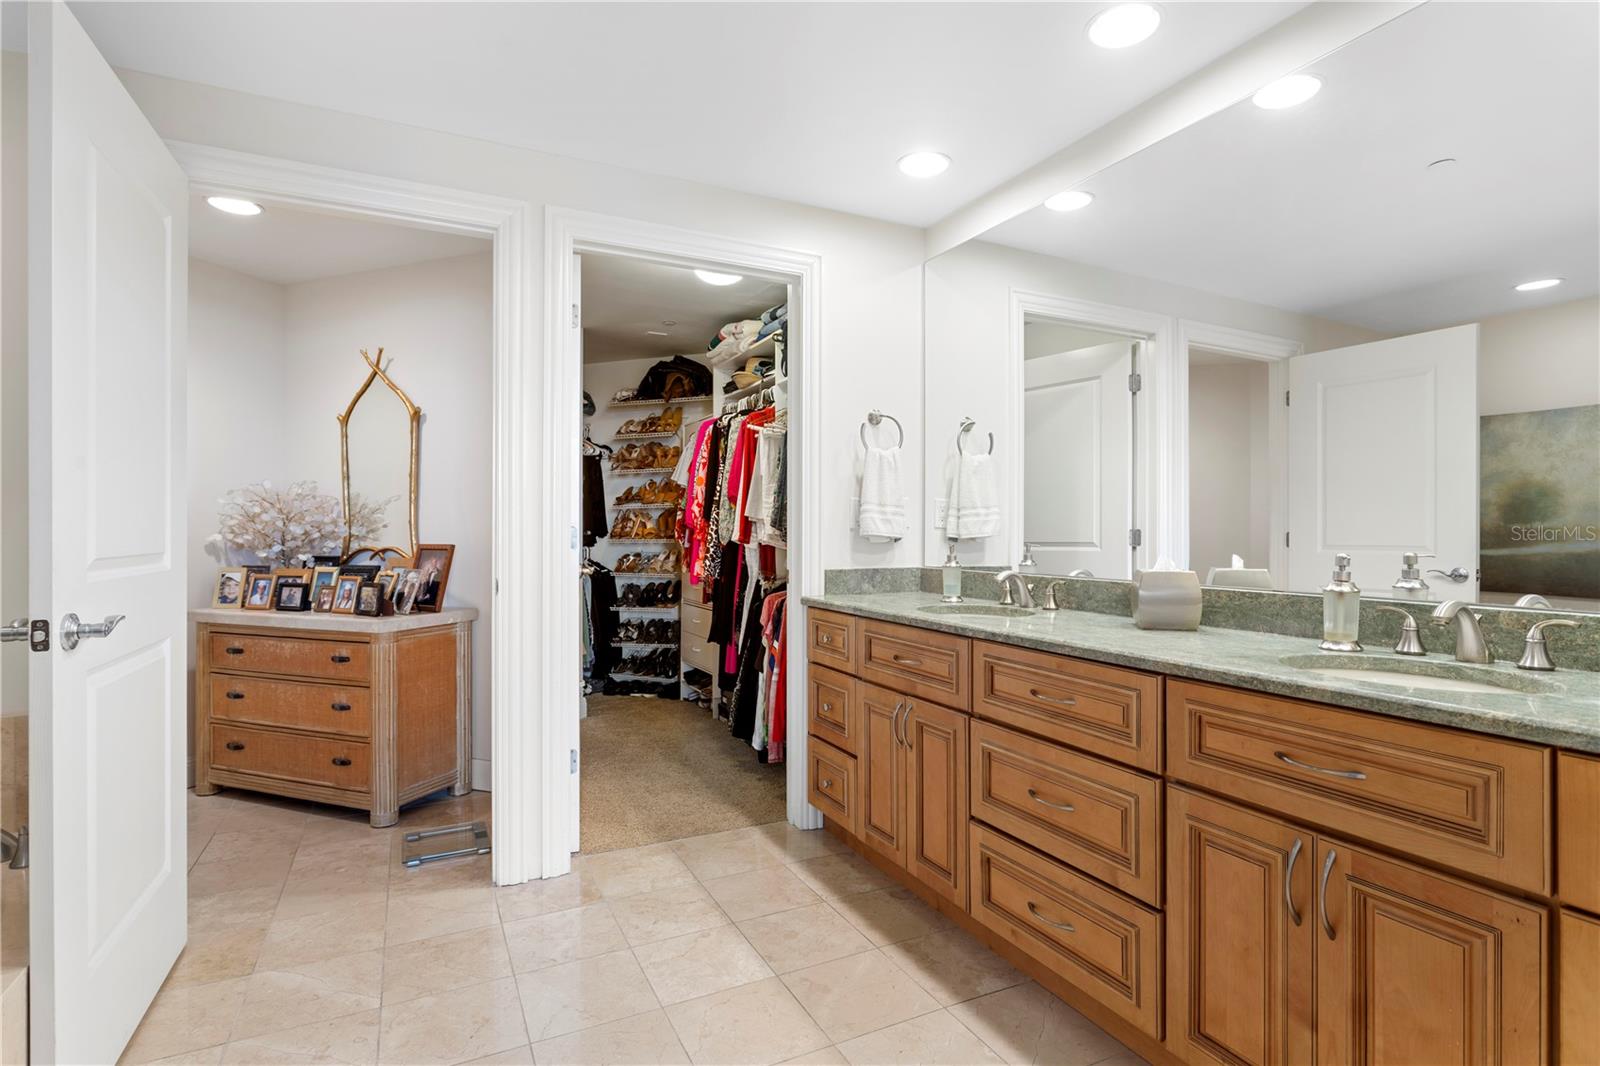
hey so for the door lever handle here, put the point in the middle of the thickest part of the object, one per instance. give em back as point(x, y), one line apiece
point(16, 629)
point(74, 629)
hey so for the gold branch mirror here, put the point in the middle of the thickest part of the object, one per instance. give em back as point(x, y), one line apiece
point(378, 449)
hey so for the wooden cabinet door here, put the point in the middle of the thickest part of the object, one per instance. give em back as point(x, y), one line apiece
point(882, 770)
point(1240, 934)
point(1415, 967)
point(936, 798)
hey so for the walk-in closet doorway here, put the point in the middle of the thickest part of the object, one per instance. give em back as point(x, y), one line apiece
point(569, 237)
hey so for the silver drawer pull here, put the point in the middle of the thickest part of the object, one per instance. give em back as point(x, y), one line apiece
point(1353, 775)
point(1064, 701)
point(827, 782)
point(826, 707)
point(1288, 881)
point(1059, 925)
point(903, 661)
point(1056, 806)
point(823, 638)
point(1322, 891)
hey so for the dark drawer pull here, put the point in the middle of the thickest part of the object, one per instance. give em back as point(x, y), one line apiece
point(235, 745)
point(236, 695)
point(340, 658)
point(341, 706)
point(905, 660)
point(341, 761)
point(234, 651)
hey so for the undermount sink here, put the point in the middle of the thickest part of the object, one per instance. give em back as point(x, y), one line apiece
point(1419, 674)
point(988, 609)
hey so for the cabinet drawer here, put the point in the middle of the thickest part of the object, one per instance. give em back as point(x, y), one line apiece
point(1577, 1021)
point(294, 704)
point(1475, 803)
point(1578, 831)
point(1106, 945)
point(1106, 710)
point(337, 660)
point(696, 620)
point(831, 784)
point(700, 653)
point(919, 662)
point(343, 764)
point(1101, 818)
point(831, 640)
point(835, 713)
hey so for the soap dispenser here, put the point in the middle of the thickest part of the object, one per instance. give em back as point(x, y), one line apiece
point(952, 575)
point(1410, 585)
point(1341, 609)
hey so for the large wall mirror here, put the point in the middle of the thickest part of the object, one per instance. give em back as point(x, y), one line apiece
point(1284, 333)
point(379, 450)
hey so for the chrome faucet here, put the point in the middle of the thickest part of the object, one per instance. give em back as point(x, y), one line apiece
point(1534, 654)
point(1471, 647)
point(1009, 580)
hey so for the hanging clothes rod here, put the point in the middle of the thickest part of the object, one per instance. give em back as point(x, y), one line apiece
point(876, 417)
point(966, 427)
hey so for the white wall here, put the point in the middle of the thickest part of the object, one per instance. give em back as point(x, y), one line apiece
point(870, 349)
point(1540, 359)
point(1227, 465)
point(13, 371)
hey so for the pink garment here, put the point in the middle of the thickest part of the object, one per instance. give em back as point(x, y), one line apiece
point(693, 529)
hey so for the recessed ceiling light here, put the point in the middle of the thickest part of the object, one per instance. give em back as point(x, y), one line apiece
point(924, 164)
point(1071, 200)
point(1542, 283)
point(1123, 25)
point(1290, 91)
point(711, 277)
point(233, 205)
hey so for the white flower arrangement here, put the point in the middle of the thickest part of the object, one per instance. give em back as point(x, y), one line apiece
point(290, 526)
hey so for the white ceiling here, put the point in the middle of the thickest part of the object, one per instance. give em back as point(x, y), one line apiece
point(812, 103)
point(1331, 209)
point(624, 297)
point(287, 245)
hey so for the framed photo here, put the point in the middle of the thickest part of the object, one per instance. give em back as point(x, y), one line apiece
point(294, 573)
point(322, 602)
point(229, 591)
point(433, 563)
point(291, 596)
point(406, 598)
point(258, 592)
point(364, 571)
point(344, 593)
point(325, 562)
point(369, 599)
point(323, 577)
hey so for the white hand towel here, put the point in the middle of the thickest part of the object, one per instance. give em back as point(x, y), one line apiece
point(974, 499)
point(883, 500)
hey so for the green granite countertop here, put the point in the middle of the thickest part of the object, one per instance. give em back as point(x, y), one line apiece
point(1560, 708)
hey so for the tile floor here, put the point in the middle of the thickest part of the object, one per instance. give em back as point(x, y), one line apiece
point(309, 944)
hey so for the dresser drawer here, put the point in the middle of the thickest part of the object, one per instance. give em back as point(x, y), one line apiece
point(344, 764)
point(337, 660)
point(293, 704)
point(1578, 831)
point(1106, 710)
point(833, 709)
point(700, 653)
point(1475, 803)
point(696, 620)
point(1098, 817)
point(831, 640)
point(1105, 944)
point(918, 662)
point(831, 784)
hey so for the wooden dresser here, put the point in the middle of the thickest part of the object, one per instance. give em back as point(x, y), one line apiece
point(361, 712)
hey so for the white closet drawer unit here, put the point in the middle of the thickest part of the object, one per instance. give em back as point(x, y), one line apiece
point(696, 621)
point(699, 652)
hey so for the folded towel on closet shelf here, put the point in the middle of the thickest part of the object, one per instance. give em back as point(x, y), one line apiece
point(772, 314)
point(772, 327)
point(974, 499)
point(883, 500)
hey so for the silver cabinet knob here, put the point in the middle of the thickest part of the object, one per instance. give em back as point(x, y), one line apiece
point(73, 629)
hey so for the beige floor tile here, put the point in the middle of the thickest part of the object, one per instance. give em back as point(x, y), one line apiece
point(724, 854)
point(533, 898)
point(351, 1040)
point(952, 966)
point(263, 812)
point(235, 907)
point(828, 1056)
point(565, 936)
point(797, 845)
point(1026, 1025)
point(579, 995)
point(793, 940)
point(759, 892)
point(233, 845)
point(324, 935)
point(438, 964)
point(253, 871)
point(858, 994)
point(634, 870)
point(313, 894)
point(210, 1056)
point(464, 1023)
point(324, 854)
point(314, 992)
point(642, 1040)
point(845, 874)
point(517, 1056)
point(187, 1019)
point(754, 1024)
point(698, 964)
point(935, 1039)
point(419, 915)
point(890, 916)
point(216, 951)
point(666, 912)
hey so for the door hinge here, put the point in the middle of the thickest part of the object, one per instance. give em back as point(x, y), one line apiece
point(1135, 382)
point(1286, 397)
point(573, 767)
point(574, 316)
point(1135, 537)
point(1286, 538)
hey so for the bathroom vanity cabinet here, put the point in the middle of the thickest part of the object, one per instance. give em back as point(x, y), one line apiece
point(1214, 874)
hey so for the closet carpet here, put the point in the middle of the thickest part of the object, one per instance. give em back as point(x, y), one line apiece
point(657, 770)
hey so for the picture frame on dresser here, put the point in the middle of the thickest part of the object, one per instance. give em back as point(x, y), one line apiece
point(369, 599)
point(291, 596)
point(230, 588)
point(433, 562)
point(344, 595)
point(323, 600)
point(258, 591)
point(323, 577)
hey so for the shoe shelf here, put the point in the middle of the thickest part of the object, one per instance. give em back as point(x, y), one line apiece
point(645, 575)
point(681, 401)
point(665, 434)
point(623, 675)
point(641, 540)
point(637, 644)
point(670, 609)
point(635, 505)
point(629, 471)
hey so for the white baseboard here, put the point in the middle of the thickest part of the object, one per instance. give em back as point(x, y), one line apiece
point(482, 779)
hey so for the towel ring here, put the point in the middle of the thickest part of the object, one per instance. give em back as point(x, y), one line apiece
point(966, 427)
point(876, 417)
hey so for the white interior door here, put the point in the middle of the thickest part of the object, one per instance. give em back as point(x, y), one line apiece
point(107, 280)
point(574, 792)
point(1383, 459)
point(1077, 459)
